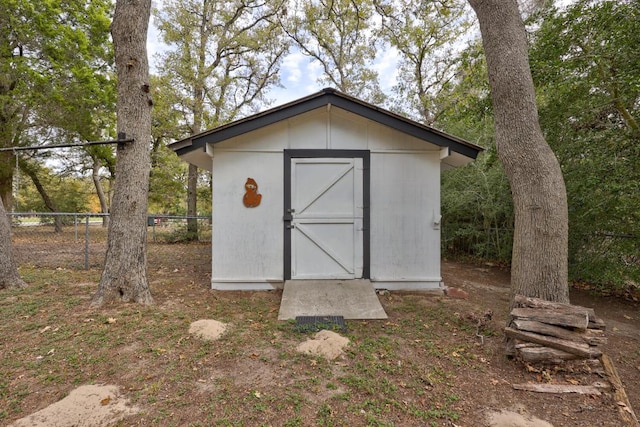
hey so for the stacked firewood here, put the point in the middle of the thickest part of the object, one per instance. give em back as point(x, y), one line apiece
point(544, 331)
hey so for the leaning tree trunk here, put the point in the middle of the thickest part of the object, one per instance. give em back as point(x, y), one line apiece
point(48, 202)
point(192, 203)
point(95, 175)
point(540, 243)
point(9, 277)
point(124, 276)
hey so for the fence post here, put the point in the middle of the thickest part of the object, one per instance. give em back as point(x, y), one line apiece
point(86, 243)
point(75, 225)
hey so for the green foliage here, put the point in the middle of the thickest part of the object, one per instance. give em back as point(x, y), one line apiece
point(585, 62)
point(167, 183)
point(69, 193)
point(338, 36)
point(204, 193)
point(477, 210)
point(466, 109)
point(56, 77)
point(181, 235)
point(222, 57)
point(62, 57)
point(424, 34)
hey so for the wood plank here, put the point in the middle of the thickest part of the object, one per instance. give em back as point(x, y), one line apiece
point(546, 329)
point(574, 319)
point(523, 344)
point(594, 321)
point(624, 406)
point(559, 388)
point(530, 302)
point(595, 337)
point(591, 337)
point(539, 354)
point(580, 349)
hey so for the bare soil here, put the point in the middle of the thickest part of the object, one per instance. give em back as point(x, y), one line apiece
point(424, 366)
point(85, 406)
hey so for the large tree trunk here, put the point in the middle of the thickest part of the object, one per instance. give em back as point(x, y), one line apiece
point(8, 116)
point(9, 277)
point(6, 178)
point(540, 245)
point(124, 276)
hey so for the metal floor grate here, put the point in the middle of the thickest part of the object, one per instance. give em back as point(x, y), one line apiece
point(318, 323)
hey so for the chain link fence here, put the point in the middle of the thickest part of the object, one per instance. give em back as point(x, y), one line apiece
point(79, 240)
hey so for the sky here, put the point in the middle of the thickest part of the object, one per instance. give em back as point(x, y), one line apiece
point(298, 74)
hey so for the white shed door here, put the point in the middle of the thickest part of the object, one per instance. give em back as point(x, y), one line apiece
point(327, 218)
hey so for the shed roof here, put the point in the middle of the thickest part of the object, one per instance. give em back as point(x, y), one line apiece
point(325, 97)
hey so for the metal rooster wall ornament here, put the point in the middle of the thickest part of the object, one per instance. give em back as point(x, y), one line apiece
point(251, 197)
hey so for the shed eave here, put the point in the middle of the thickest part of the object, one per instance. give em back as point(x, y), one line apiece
point(182, 145)
point(198, 157)
point(320, 100)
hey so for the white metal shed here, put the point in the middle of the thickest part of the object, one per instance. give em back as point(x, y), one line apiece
point(325, 187)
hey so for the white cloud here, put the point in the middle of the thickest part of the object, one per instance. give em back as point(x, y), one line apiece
point(291, 67)
point(386, 65)
point(299, 78)
point(314, 72)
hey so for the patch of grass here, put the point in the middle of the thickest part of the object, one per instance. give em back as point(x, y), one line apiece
point(296, 421)
point(343, 396)
point(324, 416)
point(295, 400)
point(435, 413)
point(331, 386)
point(370, 385)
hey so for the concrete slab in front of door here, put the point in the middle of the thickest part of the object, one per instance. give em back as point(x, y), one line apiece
point(351, 299)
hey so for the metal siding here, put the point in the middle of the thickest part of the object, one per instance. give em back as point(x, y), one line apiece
point(247, 242)
point(405, 197)
point(273, 137)
point(308, 131)
point(347, 131)
point(401, 197)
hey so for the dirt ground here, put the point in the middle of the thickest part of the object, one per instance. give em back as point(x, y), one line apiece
point(489, 287)
point(424, 365)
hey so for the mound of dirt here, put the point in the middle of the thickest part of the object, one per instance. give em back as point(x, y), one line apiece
point(327, 344)
point(86, 406)
point(207, 329)
point(507, 418)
